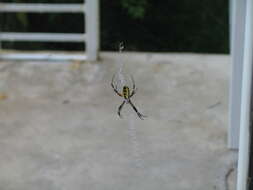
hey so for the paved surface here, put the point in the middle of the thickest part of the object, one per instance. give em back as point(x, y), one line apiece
point(59, 129)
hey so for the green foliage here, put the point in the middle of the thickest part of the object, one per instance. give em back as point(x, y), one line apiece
point(175, 26)
point(22, 18)
point(135, 9)
point(144, 25)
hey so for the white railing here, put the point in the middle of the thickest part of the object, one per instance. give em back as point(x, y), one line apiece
point(91, 36)
point(237, 31)
point(41, 8)
point(42, 37)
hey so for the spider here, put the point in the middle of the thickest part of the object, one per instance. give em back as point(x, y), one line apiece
point(126, 94)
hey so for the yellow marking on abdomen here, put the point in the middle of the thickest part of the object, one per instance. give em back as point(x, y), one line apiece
point(126, 92)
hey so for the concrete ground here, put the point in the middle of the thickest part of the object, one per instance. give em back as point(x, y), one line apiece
point(59, 128)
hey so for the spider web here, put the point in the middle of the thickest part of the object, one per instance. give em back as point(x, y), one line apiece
point(122, 79)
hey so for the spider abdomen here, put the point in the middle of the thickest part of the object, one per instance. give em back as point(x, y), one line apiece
point(126, 92)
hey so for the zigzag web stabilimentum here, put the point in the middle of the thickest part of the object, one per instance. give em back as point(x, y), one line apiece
point(122, 79)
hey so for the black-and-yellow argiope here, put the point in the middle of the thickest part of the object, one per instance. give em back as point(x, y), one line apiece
point(126, 94)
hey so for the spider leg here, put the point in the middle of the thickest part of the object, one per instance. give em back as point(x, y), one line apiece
point(115, 88)
point(120, 107)
point(133, 92)
point(134, 88)
point(135, 109)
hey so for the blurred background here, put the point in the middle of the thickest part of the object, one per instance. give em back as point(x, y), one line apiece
point(144, 25)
